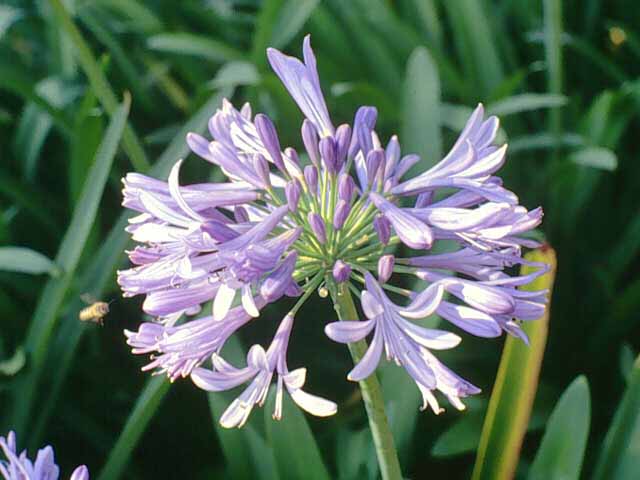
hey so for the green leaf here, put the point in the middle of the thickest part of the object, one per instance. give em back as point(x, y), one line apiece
point(595, 157)
point(102, 269)
point(563, 444)
point(475, 44)
point(620, 457)
point(427, 14)
point(627, 363)
point(515, 387)
point(263, 31)
point(539, 141)
point(145, 408)
point(296, 452)
point(525, 102)
point(461, 437)
point(13, 365)
point(233, 74)
point(421, 109)
point(8, 16)
point(293, 16)
point(553, 56)
point(183, 43)
point(99, 83)
point(237, 443)
point(25, 260)
point(46, 313)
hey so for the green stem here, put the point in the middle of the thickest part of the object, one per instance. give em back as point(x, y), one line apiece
point(371, 393)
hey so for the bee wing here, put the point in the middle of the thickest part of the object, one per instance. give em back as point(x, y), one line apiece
point(88, 298)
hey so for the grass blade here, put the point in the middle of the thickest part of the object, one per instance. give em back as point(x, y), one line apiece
point(595, 157)
point(619, 457)
point(101, 271)
point(553, 54)
point(294, 447)
point(25, 260)
point(71, 247)
point(237, 444)
point(99, 83)
point(525, 103)
point(562, 449)
point(143, 411)
point(515, 388)
point(475, 45)
point(183, 43)
point(294, 14)
point(421, 112)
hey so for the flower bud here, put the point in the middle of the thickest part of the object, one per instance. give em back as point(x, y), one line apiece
point(310, 140)
point(269, 136)
point(345, 187)
point(343, 139)
point(328, 153)
point(240, 214)
point(317, 225)
point(261, 168)
point(374, 160)
point(292, 162)
point(311, 177)
point(383, 228)
point(292, 192)
point(341, 271)
point(340, 216)
point(385, 268)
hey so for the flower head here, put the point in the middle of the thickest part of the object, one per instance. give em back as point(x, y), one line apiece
point(18, 467)
point(279, 227)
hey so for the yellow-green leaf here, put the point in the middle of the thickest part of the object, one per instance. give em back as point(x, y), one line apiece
point(515, 387)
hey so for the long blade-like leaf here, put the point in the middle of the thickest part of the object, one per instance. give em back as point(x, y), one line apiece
point(562, 449)
point(25, 260)
point(620, 457)
point(99, 83)
point(515, 388)
point(146, 406)
point(421, 112)
point(294, 447)
point(69, 253)
point(238, 444)
point(98, 274)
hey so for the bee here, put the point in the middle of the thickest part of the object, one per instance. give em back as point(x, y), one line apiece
point(95, 312)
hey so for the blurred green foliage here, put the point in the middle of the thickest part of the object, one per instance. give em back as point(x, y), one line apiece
point(563, 76)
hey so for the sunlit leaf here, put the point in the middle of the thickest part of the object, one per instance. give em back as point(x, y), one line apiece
point(595, 157)
point(294, 447)
point(25, 260)
point(620, 456)
point(562, 449)
point(421, 114)
point(515, 387)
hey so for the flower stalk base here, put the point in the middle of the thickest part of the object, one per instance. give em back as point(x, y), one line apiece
point(371, 393)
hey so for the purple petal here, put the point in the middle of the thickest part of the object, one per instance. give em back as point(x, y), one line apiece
point(413, 232)
point(348, 331)
point(303, 84)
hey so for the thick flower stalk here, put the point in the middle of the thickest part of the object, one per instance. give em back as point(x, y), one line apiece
point(341, 216)
point(18, 467)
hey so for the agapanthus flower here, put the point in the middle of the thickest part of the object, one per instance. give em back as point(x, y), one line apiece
point(18, 467)
point(340, 215)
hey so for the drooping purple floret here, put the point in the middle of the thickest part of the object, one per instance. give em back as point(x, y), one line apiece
point(17, 466)
point(279, 227)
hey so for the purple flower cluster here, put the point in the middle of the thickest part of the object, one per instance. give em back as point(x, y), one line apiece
point(18, 467)
point(285, 224)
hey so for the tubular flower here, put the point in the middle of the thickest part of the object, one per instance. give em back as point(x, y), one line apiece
point(280, 226)
point(18, 467)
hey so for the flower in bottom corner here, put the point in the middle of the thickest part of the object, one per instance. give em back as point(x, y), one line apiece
point(347, 221)
point(17, 466)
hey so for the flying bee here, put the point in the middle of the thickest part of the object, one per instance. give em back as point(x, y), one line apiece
point(95, 312)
